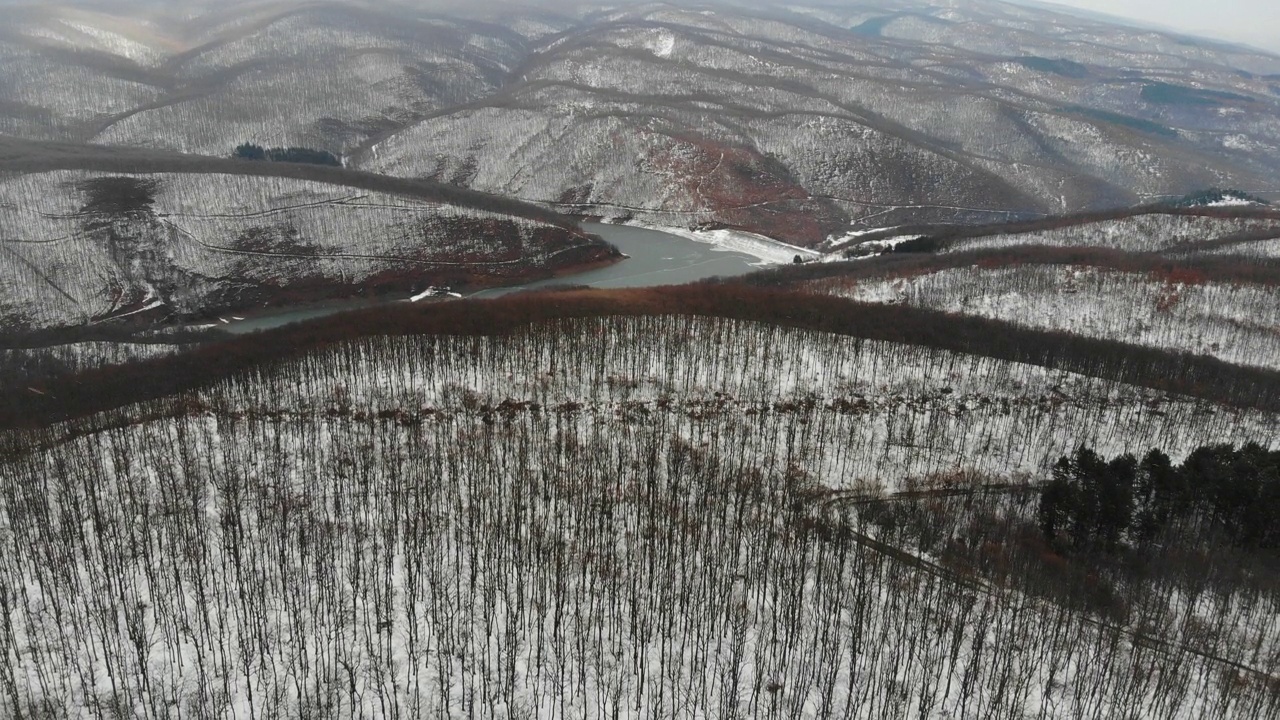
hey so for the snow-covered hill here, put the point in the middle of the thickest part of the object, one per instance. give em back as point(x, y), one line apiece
point(1141, 232)
point(1237, 322)
point(85, 247)
point(323, 75)
point(1199, 281)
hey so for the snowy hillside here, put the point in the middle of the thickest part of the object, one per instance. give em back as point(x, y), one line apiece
point(83, 247)
point(1239, 323)
point(970, 407)
point(317, 75)
point(1201, 282)
point(1167, 233)
point(328, 77)
point(664, 521)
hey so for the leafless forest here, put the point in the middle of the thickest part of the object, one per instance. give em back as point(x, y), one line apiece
point(672, 516)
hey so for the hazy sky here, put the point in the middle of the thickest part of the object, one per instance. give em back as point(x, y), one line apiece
point(1256, 22)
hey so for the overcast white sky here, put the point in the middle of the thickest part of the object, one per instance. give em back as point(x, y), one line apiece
point(1256, 22)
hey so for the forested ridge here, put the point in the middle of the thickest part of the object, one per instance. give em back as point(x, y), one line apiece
point(36, 400)
point(934, 238)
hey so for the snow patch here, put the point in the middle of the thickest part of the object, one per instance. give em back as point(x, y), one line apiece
point(872, 248)
point(855, 234)
point(765, 249)
point(1238, 142)
point(434, 292)
point(1231, 202)
point(662, 45)
point(149, 306)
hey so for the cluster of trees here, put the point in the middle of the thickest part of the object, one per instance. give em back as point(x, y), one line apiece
point(1154, 230)
point(249, 151)
point(1093, 504)
point(1199, 268)
point(1208, 597)
point(118, 195)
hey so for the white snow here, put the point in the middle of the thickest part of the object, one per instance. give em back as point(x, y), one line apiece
point(888, 243)
point(194, 229)
point(1235, 322)
point(1231, 202)
point(765, 249)
point(149, 306)
point(855, 234)
point(662, 45)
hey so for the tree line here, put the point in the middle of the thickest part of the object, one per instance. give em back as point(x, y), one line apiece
point(1216, 195)
point(940, 237)
point(36, 156)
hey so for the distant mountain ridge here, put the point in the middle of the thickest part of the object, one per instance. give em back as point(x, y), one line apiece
point(796, 122)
